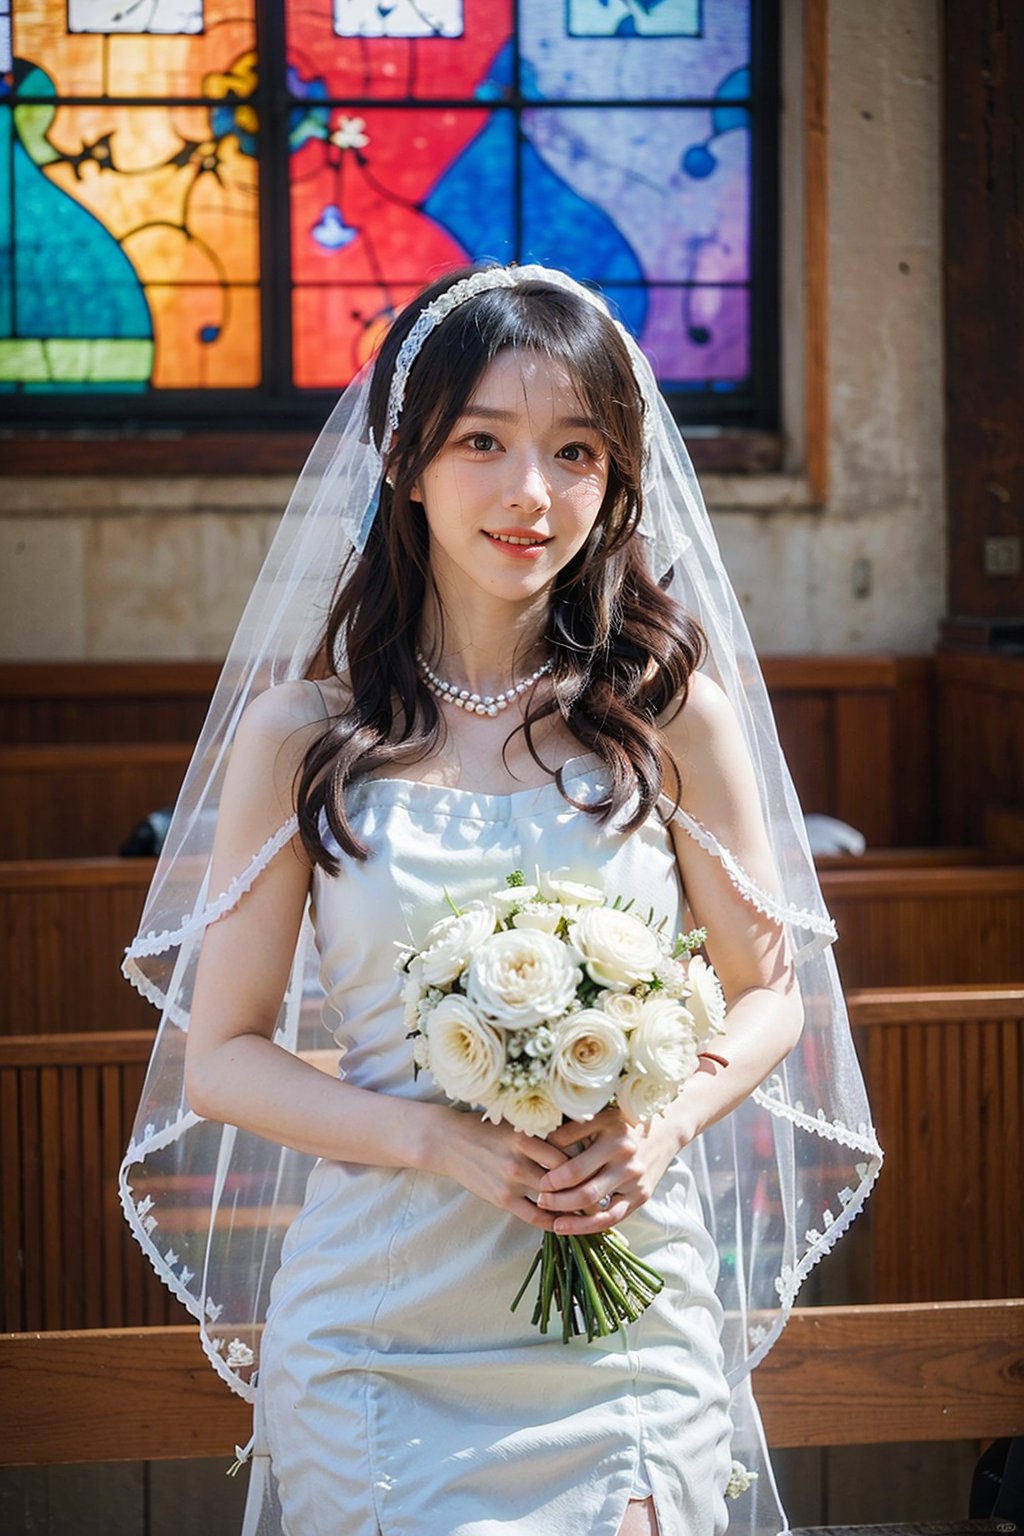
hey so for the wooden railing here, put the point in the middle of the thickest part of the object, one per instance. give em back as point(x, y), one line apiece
point(837, 1376)
point(944, 1075)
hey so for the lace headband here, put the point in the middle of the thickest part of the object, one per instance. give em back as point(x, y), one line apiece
point(458, 294)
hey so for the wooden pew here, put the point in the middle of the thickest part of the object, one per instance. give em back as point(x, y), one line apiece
point(927, 927)
point(937, 922)
point(65, 924)
point(103, 701)
point(943, 1223)
point(949, 1371)
point(82, 801)
point(857, 729)
point(66, 1107)
point(945, 1076)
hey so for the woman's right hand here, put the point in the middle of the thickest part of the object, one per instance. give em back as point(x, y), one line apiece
point(497, 1163)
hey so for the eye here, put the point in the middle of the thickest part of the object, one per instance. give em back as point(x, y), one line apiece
point(578, 453)
point(481, 442)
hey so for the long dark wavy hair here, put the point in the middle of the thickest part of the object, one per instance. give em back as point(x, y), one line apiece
point(623, 649)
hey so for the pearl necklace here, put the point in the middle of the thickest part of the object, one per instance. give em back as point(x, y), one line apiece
point(474, 703)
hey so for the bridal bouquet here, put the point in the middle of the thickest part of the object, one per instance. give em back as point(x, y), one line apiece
point(544, 1002)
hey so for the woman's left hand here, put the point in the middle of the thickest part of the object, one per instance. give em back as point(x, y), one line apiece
point(614, 1158)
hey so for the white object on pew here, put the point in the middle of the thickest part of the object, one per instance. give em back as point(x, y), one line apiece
point(826, 834)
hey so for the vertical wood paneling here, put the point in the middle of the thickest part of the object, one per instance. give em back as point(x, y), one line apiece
point(65, 927)
point(865, 759)
point(948, 1096)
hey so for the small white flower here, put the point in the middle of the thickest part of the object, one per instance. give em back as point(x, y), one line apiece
point(452, 942)
point(706, 1002)
point(590, 1052)
point(619, 951)
point(521, 977)
point(467, 1054)
point(672, 976)
point(351, 133)
point(539, 1043)
point(421, 1051)
point(739, 1480)
point(239, 1354)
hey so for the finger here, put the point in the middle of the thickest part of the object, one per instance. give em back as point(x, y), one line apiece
point(605, 1151)
point(572, 1133)
point(527, 1211)
point(584, 1197)
point(582, 1224)
point(541, 1153)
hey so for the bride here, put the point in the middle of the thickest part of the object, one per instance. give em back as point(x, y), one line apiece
point(505, 679)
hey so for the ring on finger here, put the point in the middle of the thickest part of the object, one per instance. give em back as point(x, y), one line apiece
point(604, 1202)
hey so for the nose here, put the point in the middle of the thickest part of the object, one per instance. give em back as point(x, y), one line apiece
point(527, 488)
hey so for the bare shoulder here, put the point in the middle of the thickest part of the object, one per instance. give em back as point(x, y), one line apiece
point(704, 732)
point(275, 732)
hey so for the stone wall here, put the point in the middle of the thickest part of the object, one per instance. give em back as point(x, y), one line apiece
point(110, 567)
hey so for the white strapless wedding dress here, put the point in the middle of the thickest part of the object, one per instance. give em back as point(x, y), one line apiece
point(397, 1391)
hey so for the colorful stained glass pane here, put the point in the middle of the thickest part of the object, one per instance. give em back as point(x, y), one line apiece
point(453, 53)
point(626, 18)
point(695, 337)
point(400, 18)
point(392, 195)
point(608, 193)
point(632, 50)
point(338, 328)
point(145, 60)
point(107, 17)
point(130, 233)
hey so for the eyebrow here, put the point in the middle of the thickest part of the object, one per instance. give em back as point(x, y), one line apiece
point(489, 413)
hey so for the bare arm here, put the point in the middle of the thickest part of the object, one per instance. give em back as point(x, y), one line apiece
point(764, 1014)
point(235, 1073)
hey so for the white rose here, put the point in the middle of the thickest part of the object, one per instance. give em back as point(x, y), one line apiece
point(521, 977)
point(573, 892)
point(618, 949)
point(706, 1002)
point(624, 1007)
point(467, 1055)
point(542, 917)
point(451, 942)
point(641, 1097)
point(664, 1044)
point(529, 1108)
point(590, 1052)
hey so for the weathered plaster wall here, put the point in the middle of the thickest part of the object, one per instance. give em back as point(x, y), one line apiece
point(130, 568)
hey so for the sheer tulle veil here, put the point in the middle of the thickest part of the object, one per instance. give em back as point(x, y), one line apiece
point(782, 1177)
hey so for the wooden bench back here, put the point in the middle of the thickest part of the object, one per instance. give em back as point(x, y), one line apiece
point(59, 802)
point(944, 1074)
point(837, 1376)
point(66, 1107)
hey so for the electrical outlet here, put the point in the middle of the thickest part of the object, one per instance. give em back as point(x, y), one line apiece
point(1002, 556)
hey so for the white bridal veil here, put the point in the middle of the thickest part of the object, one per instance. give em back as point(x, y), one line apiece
point(781, 1177)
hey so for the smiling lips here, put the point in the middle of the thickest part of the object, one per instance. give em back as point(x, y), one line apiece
point(518, 542)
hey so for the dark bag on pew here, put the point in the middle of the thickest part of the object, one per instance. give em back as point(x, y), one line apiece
point(998, 1486)
point(146, 838)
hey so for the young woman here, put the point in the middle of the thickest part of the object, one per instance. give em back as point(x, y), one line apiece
point(505, 679)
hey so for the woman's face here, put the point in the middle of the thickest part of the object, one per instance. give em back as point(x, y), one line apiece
point(516, 489)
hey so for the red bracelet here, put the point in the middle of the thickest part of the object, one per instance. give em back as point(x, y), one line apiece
point(710, 1056)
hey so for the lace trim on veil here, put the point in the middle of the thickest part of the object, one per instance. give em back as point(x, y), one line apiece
point(817, 923)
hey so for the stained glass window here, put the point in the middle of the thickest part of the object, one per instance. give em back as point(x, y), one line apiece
point(206, 226)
